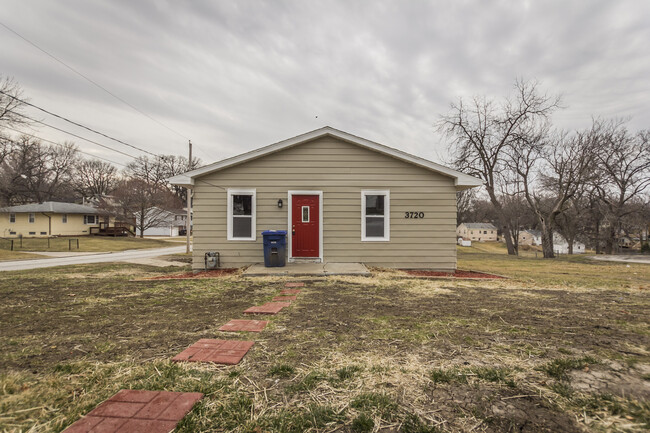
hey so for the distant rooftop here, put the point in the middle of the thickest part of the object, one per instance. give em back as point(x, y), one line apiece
point(50, 207)
point(480, 226)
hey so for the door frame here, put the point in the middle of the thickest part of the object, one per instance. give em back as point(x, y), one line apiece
point(291, 193)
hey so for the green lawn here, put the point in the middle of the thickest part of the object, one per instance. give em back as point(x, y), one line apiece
point(562, 346)
point(86, 244)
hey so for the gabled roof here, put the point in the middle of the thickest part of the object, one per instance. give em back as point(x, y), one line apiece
point(488, 226)
point(51, 207)
point(461, 180)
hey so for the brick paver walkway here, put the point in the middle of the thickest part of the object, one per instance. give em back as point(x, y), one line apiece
point(228, 352)
point(285, 298)
point(289, 291)
point(268, 308)
point(245, 325)
point(135, 411)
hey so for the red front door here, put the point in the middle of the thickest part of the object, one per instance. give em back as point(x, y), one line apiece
point(304, 226)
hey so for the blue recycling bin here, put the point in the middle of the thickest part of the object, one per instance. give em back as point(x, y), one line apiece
point(275, 248)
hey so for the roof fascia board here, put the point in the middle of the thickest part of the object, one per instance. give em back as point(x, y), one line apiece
point(460, 179)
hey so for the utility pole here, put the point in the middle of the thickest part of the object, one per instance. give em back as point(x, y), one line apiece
point(188, 221)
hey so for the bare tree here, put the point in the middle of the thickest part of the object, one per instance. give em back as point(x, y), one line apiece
point(552, 169)
point(160, 168)
point(146, 202)
point(94, 178)
point(33, 172)
point(10, 104)
point(624, 162)
point(482, 132)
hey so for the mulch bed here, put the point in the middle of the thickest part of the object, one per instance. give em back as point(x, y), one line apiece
point(457, 274)
point(193, 276)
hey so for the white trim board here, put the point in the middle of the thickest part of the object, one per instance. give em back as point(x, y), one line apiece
point(291, 193)
point(461, 180)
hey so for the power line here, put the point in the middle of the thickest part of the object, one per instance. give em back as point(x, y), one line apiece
point(74, 135)
point(91, 81)
point(59, 144)
point(78, 124)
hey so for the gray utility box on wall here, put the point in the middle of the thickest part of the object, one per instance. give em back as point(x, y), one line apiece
point(275, 248)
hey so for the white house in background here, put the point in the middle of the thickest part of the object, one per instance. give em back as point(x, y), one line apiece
point(482, 232)
point(560, 244)
point(161, 222)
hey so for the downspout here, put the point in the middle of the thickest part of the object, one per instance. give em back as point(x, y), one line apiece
point(49, 223)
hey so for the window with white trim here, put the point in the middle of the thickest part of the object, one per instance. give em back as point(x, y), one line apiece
point(12, 217)
point(241, 215)
point(90, 219)
point(32, 217)
point(375, 215)
point(64, 218)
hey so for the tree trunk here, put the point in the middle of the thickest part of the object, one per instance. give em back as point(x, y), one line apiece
point(142, 224)
point(597, 236)
point(506, 227)
point(569, 239)
point(611, 237)
point(547, 242)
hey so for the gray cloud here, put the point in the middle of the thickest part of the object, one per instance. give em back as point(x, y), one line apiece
point(238, 75)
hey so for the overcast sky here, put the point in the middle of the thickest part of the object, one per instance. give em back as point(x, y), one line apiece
point(238, 75)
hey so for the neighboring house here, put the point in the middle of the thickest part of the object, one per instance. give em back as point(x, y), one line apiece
point(529, 237)
point(482, 232)
point(560, 244)
point(342, 198)
point(49, 218)
point(161, 222)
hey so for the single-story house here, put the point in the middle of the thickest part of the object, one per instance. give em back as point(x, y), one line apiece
point(560, 244)
point(161, 222)
point(482, 232)
point(49, 218)
point(341, 198)
point(529, 237)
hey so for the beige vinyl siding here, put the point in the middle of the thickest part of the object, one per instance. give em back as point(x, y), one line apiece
point(341, 170)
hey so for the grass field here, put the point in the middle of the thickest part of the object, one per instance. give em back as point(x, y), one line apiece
point(86, 244)
point(562, 346)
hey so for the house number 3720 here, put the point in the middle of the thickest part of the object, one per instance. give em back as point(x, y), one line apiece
point(413, 215)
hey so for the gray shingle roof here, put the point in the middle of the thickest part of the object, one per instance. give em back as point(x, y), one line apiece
point(51, 207)
point(480, 226)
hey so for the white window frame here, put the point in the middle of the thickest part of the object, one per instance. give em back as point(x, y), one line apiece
point(31, 217)
point(96, 220)
point(12, 217)
point(386, 237)
point(64, 218)
point(241, 191)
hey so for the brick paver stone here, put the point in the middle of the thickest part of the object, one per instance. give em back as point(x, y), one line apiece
point(289, 291)
point(245, 325)
point(228, 352)
point(285, 298)
point(137, 411)
point(268, 308)
point(294, 285)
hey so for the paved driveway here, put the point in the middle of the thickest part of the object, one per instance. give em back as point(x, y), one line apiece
point(79, 259)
